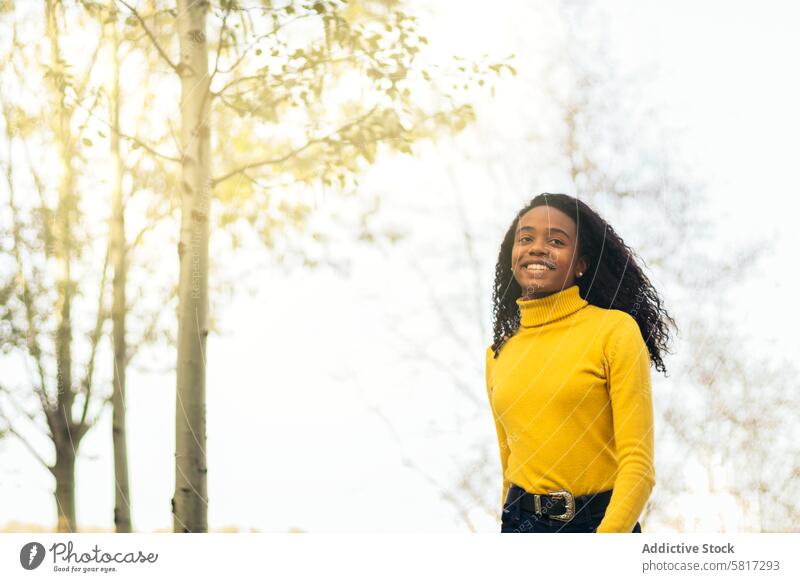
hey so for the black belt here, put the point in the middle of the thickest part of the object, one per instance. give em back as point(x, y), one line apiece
point(560, 505)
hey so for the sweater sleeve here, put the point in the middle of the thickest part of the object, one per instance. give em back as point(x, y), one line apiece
point(501, 433)
point(629, 388)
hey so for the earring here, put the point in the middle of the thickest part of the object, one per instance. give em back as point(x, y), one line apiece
point(579, 274)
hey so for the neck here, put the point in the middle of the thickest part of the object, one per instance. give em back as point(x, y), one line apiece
point(537, 295)
point(536, 311)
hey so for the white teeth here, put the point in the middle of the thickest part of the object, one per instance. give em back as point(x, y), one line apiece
point(537, 268)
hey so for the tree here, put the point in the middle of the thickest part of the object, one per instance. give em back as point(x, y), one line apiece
point(118, 257)
point(42, 237)
point(29, 244)
point(191, 500)
point(289, 61)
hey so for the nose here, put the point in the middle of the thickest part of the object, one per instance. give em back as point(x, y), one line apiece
point(535, 249)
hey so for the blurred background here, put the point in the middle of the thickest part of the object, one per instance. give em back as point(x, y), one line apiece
point(366, 157)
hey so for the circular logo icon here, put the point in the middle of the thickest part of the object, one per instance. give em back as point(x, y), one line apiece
point(31, 555)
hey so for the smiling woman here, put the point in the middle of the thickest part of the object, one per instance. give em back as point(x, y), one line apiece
point(576, 326)
point(544, 258)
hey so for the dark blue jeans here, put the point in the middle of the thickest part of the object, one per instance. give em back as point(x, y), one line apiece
point(518, 520)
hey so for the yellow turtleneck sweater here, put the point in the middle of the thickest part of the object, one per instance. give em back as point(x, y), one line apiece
point(571, 398)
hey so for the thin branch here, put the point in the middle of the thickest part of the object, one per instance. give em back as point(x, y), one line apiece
point(151, 35)
point(134, 347)
point(244, 110)
point(236, 82)
point(89, 113)
point(282, 185)
point(310, 65)
point(292, 153)
point(455, 500)
point(449, 327)
point(137, 239)
point(144, 146)
point(25, 442)
point(419, 354)
point(260, 38)
point(132, 138)
point(85, 426)
point(219, 45)
point(21, 411)
point(470, 249)
point(31, 333)
point(95, 338)
point(79, 90)
point(173, 134)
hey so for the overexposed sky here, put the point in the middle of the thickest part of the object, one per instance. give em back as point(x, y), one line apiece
point(291, 439)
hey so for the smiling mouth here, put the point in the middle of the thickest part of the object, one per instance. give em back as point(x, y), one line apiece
point(536, 269)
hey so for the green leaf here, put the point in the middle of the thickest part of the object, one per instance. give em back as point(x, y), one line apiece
point(87, 142)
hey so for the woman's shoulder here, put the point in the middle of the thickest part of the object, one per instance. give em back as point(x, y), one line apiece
point(612, 322)
point(612, 315)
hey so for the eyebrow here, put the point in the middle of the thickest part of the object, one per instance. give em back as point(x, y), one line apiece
point(550, 229)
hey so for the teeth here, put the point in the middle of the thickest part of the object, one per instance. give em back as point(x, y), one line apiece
point(537, 268)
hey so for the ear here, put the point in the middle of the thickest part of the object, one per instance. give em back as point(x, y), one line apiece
point(582, 265)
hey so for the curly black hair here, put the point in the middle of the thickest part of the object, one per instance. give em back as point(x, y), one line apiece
point(614, 279)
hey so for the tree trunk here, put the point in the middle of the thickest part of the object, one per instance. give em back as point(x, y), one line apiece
point(66, 434)
point(122, 498)
point(64, 472)
point(190, 501)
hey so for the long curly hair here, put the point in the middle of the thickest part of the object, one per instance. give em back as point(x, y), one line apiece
point(614, 279)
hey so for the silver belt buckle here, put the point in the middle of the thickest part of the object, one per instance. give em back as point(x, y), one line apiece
point(569, 502)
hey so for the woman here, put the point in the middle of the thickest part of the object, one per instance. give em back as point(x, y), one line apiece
point(576, 325)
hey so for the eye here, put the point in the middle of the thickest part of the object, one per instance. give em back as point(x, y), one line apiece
point(524, 238)
point(558, 241)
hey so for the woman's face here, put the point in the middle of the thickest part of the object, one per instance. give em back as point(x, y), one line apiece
point(545, 236)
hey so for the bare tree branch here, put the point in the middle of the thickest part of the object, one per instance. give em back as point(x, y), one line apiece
point(137, 239)
point(81, 88)
point(134, 139)
point(461, 510)
point(32, 333)
point(25, 442)
point(220, 40)
point(135, 346)
point(94, 339)
point(152, 37)
point(21, 411)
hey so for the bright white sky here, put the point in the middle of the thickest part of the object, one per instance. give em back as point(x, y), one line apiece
point(291, 442)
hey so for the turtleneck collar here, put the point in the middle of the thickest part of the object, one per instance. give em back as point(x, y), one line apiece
point(535, 312)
